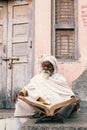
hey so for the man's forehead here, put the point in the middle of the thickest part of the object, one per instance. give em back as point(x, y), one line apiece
point(46, 62)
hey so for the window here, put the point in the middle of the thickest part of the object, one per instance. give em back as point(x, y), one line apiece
point(64, 29)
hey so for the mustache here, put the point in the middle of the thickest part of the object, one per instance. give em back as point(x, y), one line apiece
point(47, 72)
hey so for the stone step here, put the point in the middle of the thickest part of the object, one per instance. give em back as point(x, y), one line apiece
point(77, 122)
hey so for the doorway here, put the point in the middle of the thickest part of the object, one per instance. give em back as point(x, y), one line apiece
point(16, 48)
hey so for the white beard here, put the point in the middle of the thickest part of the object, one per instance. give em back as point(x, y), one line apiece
point(46, 74)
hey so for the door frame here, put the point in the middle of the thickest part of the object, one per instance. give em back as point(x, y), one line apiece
point(32, 53)
point(33, 39)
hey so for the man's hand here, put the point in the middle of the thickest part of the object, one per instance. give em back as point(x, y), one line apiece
point(15, 97)
point(72, 96)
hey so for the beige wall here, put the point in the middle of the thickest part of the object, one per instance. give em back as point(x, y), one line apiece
point(42, 29)
point(71, 70)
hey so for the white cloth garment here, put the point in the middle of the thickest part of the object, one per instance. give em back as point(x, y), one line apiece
point(53, 89)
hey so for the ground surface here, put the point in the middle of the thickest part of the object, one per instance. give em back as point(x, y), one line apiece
point(8, 122)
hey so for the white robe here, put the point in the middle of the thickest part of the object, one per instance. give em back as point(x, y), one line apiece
point(52, 89)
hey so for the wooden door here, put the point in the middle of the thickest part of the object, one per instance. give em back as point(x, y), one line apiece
point(3, 40)
point(18, 47)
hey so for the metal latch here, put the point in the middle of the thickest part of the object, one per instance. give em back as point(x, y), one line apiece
point(10, 61)
point(5, 59)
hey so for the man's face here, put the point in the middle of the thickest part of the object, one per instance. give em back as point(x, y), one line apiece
point(47, 67)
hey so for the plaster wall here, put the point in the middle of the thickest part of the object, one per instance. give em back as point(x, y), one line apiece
point(71, 70)
point(42, 29)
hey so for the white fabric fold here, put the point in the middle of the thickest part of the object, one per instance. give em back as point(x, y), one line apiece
point(53, 89)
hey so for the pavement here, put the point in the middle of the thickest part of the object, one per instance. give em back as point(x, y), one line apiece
point(78, 121)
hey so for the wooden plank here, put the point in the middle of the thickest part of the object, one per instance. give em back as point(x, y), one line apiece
point(64, 26)
point(19, 40)
point(64, 17)
point(17, 21)
point(19, 36)
point(3, 41)
point(1, 22)
point(22, 59)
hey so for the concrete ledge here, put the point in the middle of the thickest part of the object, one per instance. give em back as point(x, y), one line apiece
point(77, 122)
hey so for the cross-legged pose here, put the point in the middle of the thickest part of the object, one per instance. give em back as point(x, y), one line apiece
point(48, 87)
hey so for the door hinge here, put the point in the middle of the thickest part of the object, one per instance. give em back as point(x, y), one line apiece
point(30, 44)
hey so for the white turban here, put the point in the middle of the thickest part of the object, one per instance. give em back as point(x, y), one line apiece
point(51, 59)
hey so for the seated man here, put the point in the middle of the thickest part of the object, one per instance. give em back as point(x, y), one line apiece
point(49, 87)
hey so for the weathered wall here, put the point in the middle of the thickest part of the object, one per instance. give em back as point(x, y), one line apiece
point(80, 90)
point(71, 70)
point(42, 29)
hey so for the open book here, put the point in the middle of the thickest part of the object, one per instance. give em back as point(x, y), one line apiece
point(48, 109)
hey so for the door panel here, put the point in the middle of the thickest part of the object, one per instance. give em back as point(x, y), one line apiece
point(18, 47)
point(3, 40)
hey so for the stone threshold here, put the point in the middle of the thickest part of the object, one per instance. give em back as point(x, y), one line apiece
point(77, 122)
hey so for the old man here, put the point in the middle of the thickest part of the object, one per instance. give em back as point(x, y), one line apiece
point(49, 87)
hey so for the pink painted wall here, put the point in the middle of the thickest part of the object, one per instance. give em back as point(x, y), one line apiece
point(42, 29)
point(71, 70)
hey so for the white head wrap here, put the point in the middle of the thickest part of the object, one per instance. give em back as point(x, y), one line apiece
point(51, 59)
